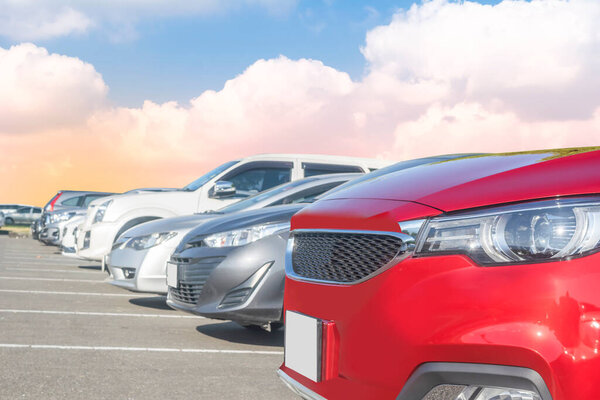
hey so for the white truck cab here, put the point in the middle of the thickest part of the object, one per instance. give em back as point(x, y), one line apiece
point(110, 216)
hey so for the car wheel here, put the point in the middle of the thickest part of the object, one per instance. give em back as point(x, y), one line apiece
point(9, 221)
point(272, 327)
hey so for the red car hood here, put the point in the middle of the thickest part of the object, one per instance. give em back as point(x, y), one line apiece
point(482, 180)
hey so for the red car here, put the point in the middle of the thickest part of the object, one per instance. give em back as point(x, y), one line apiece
point(470, 279)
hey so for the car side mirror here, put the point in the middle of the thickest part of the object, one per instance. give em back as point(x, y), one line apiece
point(223, 189)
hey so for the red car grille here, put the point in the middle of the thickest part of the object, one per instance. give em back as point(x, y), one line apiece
point(342, 257)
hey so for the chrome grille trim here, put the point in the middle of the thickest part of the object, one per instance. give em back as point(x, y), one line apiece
point(403, 252)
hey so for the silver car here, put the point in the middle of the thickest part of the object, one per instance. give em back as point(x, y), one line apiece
point(9, 208)
point(138, 258)
point(23, 216)
point(1, 219)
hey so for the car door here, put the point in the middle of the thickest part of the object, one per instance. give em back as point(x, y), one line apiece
point(21, 215)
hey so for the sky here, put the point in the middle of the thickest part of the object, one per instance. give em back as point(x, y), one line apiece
point(123, 94)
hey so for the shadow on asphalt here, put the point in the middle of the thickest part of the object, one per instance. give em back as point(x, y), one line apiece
point(3, 232)
point(154, 302)
point(232, 332)
point(92, 267)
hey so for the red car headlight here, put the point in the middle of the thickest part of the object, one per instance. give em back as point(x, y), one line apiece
point(530, 232)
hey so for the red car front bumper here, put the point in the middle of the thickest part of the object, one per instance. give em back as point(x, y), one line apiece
point(446, 309)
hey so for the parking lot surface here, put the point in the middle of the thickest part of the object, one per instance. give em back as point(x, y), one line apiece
point(66, 334)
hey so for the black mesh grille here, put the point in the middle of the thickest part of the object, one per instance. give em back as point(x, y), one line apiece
point(191, 277)
point(342, 257)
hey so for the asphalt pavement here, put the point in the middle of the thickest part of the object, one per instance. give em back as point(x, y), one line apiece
point(67, 334)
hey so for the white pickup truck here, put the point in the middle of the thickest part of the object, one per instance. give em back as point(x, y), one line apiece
point(110, 216)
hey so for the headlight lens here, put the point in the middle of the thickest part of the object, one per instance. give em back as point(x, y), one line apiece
point(147, 241)
point(525, 233)
point(63, 216)
point(240, 237)
point(99, 216)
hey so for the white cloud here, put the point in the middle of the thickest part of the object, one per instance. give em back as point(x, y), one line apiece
point(470, 127)
point(25, 21)
point(45, 91)
point(538, 59)
point(442, 77)
point(38, 20)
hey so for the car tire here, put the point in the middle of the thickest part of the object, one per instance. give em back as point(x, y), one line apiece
point(9, 221)
point(272, 327)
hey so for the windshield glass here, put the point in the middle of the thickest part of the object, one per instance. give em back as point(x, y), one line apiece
point(394, 168)
point(208, 176)
point(257, 198)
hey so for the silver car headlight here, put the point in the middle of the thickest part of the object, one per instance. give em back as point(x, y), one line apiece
point(62, 216)
point(148, 241)
point(524, 233)
point(100, 211)
point(240, 237)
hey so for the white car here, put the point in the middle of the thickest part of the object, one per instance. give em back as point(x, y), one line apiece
point(68, 245)
point(108, 217)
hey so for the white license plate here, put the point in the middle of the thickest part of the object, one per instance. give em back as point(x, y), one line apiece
point(172, 279)
point(303, 344)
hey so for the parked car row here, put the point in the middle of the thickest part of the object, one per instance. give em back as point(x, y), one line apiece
point(236, 205)
point(468, 276)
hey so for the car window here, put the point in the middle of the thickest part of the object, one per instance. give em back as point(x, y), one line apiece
point(208, 176)
point(256, 180)
point(312, 169)
point(73, 201)
point(37, 210)
point(91, 197)
point(24, 210)
point(307, 195)
point(254, 177)
point(398, 167)
point(257, 198)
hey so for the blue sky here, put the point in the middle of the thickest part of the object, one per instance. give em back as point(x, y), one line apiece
point(176, 58)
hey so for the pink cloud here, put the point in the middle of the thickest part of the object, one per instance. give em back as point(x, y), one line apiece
point(442, 77)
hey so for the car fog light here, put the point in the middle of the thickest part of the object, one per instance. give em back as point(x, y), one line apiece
point(489, 393)
point(129, 273)
point(86, 240)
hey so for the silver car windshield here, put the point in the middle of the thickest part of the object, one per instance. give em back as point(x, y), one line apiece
point(208, 176)
point(257, 198)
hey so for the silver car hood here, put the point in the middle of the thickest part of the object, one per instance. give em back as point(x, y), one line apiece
point(175, 224)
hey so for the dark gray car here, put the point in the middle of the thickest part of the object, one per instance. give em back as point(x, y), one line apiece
point(232, 267)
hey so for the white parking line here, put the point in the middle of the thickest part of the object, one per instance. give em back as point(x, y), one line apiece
point(145, 349)
point(101, 314)
point(54, 270)
point(72, 293)
point(19, 278)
